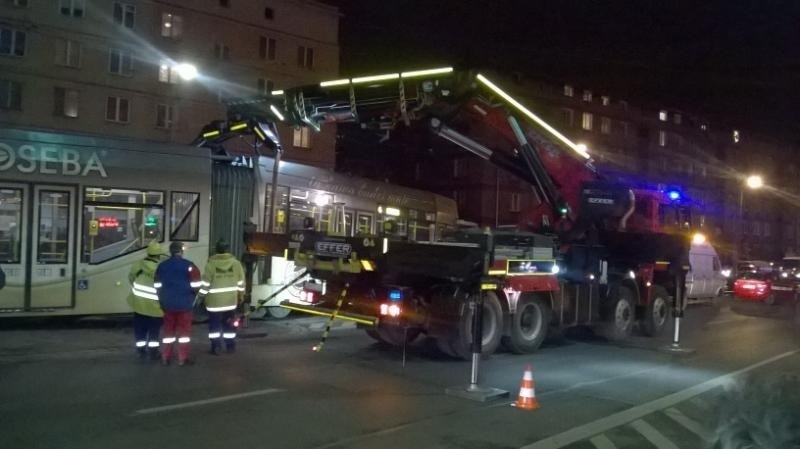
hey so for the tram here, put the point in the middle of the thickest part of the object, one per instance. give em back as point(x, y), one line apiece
point(77, 210)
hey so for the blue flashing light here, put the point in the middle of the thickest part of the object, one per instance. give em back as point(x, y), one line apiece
point(674, 195)
point(395, 295)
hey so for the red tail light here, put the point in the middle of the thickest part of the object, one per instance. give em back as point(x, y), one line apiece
point(308, 296)
point(392, 310)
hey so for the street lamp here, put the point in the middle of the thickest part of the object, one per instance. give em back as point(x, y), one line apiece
point(186, 71)
point(753, 182)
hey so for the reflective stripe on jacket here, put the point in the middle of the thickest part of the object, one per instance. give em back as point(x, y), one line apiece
point(223, 282)
point(143, 298)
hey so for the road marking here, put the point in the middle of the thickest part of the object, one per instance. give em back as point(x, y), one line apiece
point(652, 435)
point(231, 397)
point(694, 426)
point(625, 416)
point(602, 442)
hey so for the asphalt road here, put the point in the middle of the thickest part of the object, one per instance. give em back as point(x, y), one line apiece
point(78, 385)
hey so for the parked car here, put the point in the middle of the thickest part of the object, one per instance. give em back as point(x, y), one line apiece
point(704, 279)
point(747, 266)
point(755, 286)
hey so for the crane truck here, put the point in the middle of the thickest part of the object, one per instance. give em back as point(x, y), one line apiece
point(591, 253)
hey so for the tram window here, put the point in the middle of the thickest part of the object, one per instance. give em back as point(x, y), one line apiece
point(10, 229)
point(120, 221)
point(280, 217)
point(364, 223)
point(185, 216)
point(54, 232)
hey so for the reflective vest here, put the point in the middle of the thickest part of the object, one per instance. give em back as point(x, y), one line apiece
point(143, 298)
point(223, 282)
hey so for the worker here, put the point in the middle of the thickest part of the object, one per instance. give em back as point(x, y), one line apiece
point(223, 288)
point(177, 281)
point(147, 313)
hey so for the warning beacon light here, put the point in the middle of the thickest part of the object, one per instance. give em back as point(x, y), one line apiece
point(674, 195)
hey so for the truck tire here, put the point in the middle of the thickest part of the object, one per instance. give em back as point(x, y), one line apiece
point(620, 314)
point(492, 328)
point(656, 314)
point(529, 326)
point(393, 335)
point(278, 312)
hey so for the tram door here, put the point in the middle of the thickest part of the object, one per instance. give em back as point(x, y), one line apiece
point(14, 200)
point(52, 249)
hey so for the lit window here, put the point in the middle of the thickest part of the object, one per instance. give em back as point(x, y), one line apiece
point(266, 48)
point(515, 203)
point(567, 116)
point(587, 96)
point(117, 109)
point(221, 51)
point(269, 13)
point(736, 136)
point(120, 62)
point(663, 115)
point(65, 102)
point(124, 14)
point(305, 57)
point(168, 73)
point(68, 53)
point(605, 125)
point(605, 100)
point(677, 118)
point(12, 42)
point(265, 86)
point(165, 116)
point(662, 138)
point(185, 217)
point(568, 90)
point(704, 127)
point(10, 95)
point(73, 8)
point(171, 25)
point(586, 121)
point(302, 137)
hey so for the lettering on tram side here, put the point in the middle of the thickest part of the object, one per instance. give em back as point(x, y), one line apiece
point(49, 160)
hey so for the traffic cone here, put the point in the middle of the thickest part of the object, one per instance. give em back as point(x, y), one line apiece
point(527, 392)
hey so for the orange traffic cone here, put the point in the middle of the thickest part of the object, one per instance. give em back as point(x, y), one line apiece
point(527, 392)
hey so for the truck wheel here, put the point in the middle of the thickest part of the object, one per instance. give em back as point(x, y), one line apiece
point(492, 328)
point(656, 313)
point(445, 347)
point(528, 326)
point(393, 335)
point(619, 315)
point(770, 300)
point(278, 312)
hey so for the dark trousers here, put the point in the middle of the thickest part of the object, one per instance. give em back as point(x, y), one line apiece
point(220, 327)
point(145, 330)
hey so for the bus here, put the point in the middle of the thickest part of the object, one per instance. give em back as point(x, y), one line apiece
point(77, 210)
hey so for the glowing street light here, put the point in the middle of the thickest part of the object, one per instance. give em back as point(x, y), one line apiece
point(186, 71)
point(754, 182)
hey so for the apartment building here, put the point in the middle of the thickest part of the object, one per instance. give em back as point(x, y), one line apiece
point(112, 67)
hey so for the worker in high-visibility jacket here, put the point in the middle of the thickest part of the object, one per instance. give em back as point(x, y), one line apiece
point(143, 299)
point(223, 288)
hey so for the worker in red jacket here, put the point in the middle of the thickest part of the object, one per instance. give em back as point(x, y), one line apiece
point(177, 281)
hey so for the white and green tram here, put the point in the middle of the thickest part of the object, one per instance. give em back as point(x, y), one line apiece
point(77, 210)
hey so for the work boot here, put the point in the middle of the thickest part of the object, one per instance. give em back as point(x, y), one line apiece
point(187, 362)
point(142, 354)
point(213, 351)
point(230, 349)
point(165, 362)
point(155, 355)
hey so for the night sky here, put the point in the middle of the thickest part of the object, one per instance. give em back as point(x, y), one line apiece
point(736, 62)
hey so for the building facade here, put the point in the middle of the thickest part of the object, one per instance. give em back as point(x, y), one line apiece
point(112, 67)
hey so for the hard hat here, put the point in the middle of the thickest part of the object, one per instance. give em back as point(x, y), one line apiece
point(222, 246)
point(176, 247)
point(154, 249)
